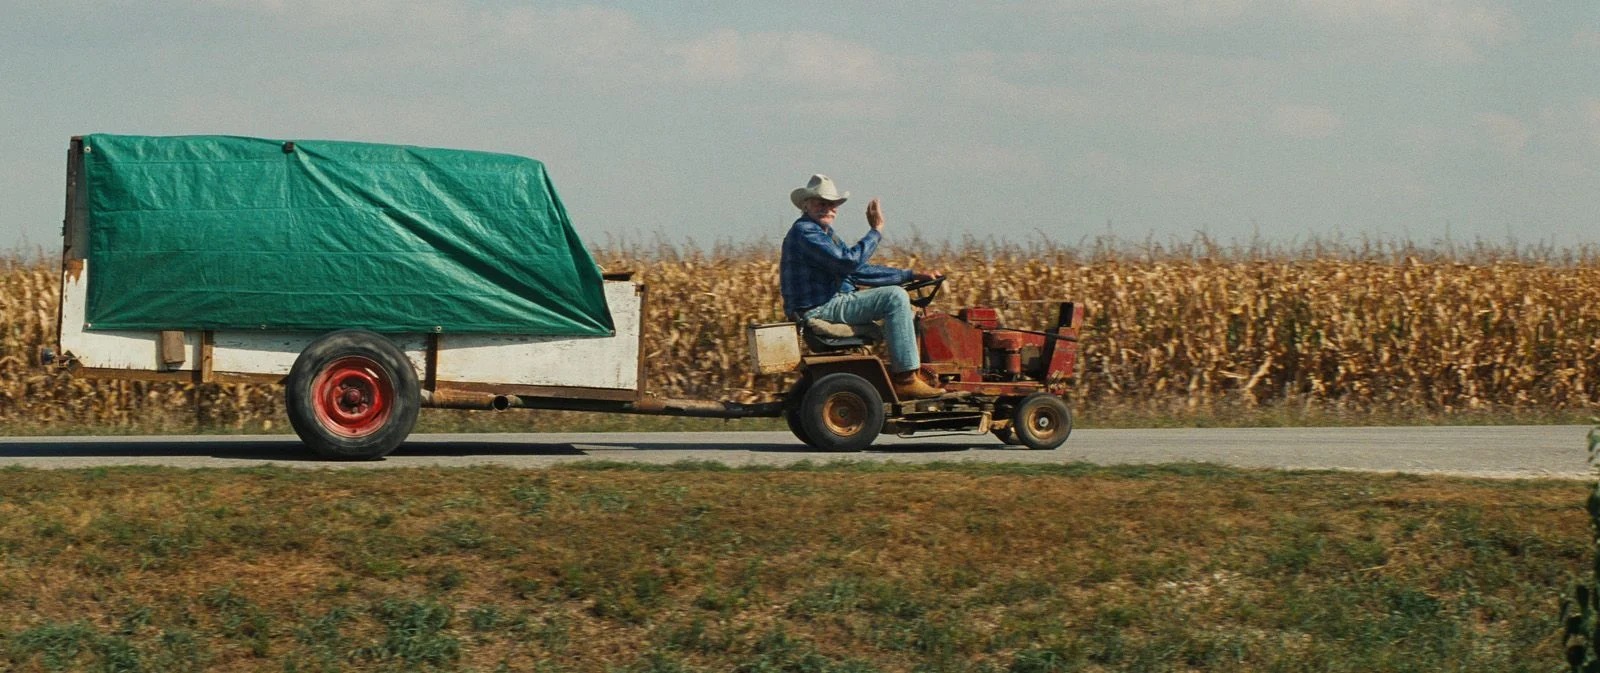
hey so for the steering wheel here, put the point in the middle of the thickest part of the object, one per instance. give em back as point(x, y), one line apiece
point(923, 295)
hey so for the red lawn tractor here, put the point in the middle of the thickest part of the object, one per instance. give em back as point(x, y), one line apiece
point(1001, 380)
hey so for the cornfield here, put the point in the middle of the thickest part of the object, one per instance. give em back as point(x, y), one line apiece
point(1186, 329)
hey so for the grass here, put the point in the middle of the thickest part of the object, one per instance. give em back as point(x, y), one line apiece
point(857, 567)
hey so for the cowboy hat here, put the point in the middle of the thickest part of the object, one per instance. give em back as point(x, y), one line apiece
point(820, 187)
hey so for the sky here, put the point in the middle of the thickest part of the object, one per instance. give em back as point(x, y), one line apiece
point(690, 122)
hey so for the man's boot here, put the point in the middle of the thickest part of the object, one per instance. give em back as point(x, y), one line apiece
point(909, 386)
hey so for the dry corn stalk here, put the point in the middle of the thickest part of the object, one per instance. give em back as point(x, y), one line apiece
point(1192, 328)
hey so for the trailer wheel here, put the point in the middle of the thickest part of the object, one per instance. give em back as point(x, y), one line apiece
point(841, 412)
point(1042, 421)
point(352, 395)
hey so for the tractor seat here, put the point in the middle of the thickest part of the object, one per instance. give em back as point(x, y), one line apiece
point(822, 336)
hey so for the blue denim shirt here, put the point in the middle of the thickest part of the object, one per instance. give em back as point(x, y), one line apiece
point(816, 265)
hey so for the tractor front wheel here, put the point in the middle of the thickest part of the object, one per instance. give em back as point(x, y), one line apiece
point(1042, 421)
point(352, 395)
point(841, 412)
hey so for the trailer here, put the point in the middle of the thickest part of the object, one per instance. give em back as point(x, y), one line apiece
point(374, 280)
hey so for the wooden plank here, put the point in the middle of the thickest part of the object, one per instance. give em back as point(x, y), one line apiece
point(568, 392)
point(183, 376)
point(239, 377)
point(172, 348)
point(132, 374)
point(207, 339)
point(638, 381)
point(430, 367)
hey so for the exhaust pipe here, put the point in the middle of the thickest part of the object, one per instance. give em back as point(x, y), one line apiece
point(462, 399)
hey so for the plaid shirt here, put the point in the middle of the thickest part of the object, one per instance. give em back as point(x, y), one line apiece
point(816, 266)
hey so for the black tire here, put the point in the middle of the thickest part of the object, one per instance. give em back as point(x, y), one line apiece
point(792, 417)
point(352, 395)
point(841, 412)
point(1042, 421)
point(791, 411)
point(1006, 435)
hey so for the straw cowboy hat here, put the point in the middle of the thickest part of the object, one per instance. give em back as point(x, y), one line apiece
point(820, 187)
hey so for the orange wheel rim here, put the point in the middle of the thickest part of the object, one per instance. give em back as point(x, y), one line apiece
point(1043, 422)
point(845, 414)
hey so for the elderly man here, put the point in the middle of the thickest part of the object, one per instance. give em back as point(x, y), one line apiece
point(819, 274)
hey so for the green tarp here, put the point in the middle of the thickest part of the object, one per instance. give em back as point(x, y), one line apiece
point(220, 232)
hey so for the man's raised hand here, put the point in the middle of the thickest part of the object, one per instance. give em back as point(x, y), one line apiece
point(874, 215)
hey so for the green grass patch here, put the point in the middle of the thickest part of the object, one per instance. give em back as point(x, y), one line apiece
point(814, 567)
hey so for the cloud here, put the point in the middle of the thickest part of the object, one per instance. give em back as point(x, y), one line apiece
point(1303, 121)
point(801, 59)
point(1505, 132)
point(1571, 129)
point(1589, 116)
point(1176, 16)
point(720, 56)
point(984, 85)
point(1445, 30)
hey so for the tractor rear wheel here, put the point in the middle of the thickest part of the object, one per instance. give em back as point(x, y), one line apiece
point(795, 426)
point(792, 411)
point(841, 412)
point(352, 395)
point(1042, 421)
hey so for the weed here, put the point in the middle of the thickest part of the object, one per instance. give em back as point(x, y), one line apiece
point(696, 636)
point(414, 633)
point(58, 646)
point(533, 497)
point(554, 633)
point(117, 655)
point(179, 650)
point(240, 619)
point(606, 500)
point(485, 618)
point(463, 534)
point(446, 578)
point(838, 596)
point(1045, 660)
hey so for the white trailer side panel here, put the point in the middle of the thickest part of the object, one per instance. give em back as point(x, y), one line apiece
point(581, 362)
point(584, 362)
point(275, 352)
point(136, 350)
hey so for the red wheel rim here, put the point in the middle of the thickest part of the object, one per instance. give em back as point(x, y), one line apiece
point(353, 396)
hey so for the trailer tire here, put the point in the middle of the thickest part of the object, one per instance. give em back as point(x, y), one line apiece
point(1042, 421)
point(841, 412)
point(352, 395)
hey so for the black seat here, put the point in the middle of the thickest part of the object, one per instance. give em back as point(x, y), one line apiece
point(822, 337)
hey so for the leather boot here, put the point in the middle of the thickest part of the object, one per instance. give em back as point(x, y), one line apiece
point(910, 386)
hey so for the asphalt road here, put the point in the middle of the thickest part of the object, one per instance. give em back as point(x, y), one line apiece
point(1487, 451)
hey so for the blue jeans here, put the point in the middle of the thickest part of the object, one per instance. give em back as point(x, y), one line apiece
point(890, 304)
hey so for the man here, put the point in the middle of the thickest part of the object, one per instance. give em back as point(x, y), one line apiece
point(818, 276)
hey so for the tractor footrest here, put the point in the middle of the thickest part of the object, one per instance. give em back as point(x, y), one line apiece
point(963, 421)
